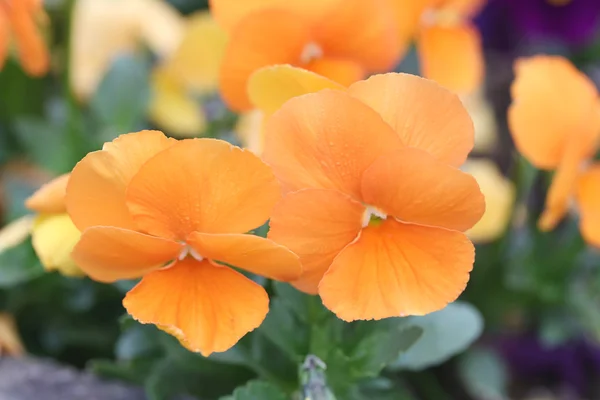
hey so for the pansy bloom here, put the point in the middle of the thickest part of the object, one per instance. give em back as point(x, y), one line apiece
point(375, 205)
point(53, 234)
point(555, 123)
point(19, 23)
point(448, 43)
point(305, 34)
point(174, 213)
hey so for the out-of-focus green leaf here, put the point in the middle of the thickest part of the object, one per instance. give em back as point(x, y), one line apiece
point(284, 330)
point(121, 100)
point(308, 309)
point(484, 375)
point(45, 143)
point(137, 341)
point(445, 333)
point(257, 390)
point(19, 264)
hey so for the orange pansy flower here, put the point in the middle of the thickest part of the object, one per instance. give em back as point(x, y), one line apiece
point(174, 213)
point(376, 206)
point(555, 123)
point(18, 21)
point(305, 34)
point(448, 43)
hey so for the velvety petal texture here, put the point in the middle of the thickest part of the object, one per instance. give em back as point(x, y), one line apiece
point(96, 189)
point(326, 140)
point(316, 225)
point(397, 269)
point(212, 308)
point(406, 102)
point(204, 185)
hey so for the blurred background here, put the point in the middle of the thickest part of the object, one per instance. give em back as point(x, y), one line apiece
point(527, 326)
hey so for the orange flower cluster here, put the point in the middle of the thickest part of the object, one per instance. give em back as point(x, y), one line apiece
point(18, 21)
point(555, 123)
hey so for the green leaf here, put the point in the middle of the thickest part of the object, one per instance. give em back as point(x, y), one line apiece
point(484, 375)
point(308, 309)
point(445, 333)
point(283, 329)
point(257, 390)
point(121, 100)
point(19, 264)
point(45, 143)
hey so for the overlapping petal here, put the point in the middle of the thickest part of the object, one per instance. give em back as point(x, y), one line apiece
point(315, 224)
point(270, 87)
point(552, 103)
point(50, 198)
point(270, 37)
point(375, 45)
point(452, 56)
point(413, 186)
point(406, 102)
point(326, 140)
point(53, 237)
point(96, 189)
point(108, 254)
point(212, 308)
point(344, 71)
point(397, 269)
point(588, 199)
point(203, 185)
point(251, 253)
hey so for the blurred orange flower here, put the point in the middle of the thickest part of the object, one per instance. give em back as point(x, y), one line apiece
point(304, 33)
point(376, 207)
point(555, 123)
point(19, 21)
point(448, 43)
point(174, 213)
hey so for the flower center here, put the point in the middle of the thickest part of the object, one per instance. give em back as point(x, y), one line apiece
point(311, 51)
point(189, 251)
point(373, 217)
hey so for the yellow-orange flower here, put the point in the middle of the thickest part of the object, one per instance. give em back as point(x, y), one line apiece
point(448, 43)
point(174, 213)
point(375, 205)
point(555, 123)
point(343, 40)
point(53, 234)
point(19, 22)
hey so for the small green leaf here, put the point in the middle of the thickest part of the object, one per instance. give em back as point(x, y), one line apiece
point(308, 309)
point(445, 333)
point(257, 390)
point(121, 99)
point(19, 264)
point(484, 375)
point(283, 329)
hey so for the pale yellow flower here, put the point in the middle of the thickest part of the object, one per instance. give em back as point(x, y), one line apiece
point(484, 120)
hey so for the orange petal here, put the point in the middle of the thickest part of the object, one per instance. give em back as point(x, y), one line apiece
point(230, 12)
point(374, 45)
point(540, 120)
point(412, 186)
point(452, 56)
point(563, 185)
point(209, 307)
point(395, 270)
point(203, 185)
point(255, 254)
point(315, 224)
point(465, 8)
point(325, 140)
point(32, 50)
point(96, 190)
point(4, 38)
point(341, 70)
point(50, 198)
point(272, 86)
point(408, 15)
point(269, 37)
point(588, 199)
point(109, 254)
point(424, 114)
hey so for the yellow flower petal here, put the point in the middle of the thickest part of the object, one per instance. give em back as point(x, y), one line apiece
point(102, 29)
point(197, 60)
point(499, 195)
point(10, 342)
point(172, 108)
point(53, 238)
point(270, 87)
point(250, 131)
point(15, 233)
